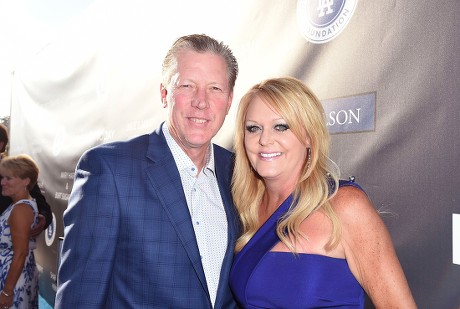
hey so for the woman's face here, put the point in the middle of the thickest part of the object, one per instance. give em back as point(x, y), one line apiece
point(272, 148)
point(12, 185)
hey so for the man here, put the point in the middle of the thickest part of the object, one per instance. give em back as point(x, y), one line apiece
point(150, 222)
point(45, 216)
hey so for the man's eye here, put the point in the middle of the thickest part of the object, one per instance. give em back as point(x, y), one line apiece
point(281, 127)
point(252, 128)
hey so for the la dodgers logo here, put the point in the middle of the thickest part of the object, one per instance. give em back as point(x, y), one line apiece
point(51, 232)
point(322, 20)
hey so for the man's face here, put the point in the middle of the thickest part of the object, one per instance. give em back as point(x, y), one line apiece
point(198, 98)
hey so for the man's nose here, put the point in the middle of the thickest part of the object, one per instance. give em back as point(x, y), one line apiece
point(200, 99)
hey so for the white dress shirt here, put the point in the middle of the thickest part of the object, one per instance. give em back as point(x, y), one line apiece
point(206, 210)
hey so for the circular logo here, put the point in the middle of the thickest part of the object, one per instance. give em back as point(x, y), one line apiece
point(322, 20)
point(50, 232)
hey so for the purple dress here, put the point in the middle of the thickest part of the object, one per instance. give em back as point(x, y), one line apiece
point(261, 278)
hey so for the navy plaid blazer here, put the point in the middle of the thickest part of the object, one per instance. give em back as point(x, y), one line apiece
point(128, 237)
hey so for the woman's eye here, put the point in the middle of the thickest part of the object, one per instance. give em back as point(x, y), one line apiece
point(281, 127)
point(252, 129)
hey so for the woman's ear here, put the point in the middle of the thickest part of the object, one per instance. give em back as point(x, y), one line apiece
point(26, 182)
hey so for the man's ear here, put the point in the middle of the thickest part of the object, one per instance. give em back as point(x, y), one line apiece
point(163, 93)
point(230, 100)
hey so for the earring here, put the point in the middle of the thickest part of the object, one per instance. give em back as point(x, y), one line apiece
point(309, 158)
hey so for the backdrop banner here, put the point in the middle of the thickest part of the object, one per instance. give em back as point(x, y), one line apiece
point(387, 72)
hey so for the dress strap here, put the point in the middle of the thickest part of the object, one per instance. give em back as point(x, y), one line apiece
point(344, 183)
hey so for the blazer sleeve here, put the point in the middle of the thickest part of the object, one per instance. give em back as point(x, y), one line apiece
point(43, 206)
point(91, 227)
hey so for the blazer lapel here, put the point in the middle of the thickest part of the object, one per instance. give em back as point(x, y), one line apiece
point(224, 170)
point(173, 198)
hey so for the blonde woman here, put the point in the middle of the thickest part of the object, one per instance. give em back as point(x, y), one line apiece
point(309, 240)
point(18, 271)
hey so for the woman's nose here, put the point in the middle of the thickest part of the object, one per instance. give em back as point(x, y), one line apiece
point(266, 138)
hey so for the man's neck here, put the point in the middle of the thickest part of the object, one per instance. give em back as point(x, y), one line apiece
point(199, 156)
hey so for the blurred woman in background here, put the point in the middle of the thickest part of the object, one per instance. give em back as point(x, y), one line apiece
point(18, 271)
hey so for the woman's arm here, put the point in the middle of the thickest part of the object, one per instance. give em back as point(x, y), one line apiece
point(20, 220)
point(369, 251)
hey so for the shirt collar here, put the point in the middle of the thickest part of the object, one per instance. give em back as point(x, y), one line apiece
point(183, 162)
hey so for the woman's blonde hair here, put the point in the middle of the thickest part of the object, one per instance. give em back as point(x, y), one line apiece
point(22, 166)
point(318, 180)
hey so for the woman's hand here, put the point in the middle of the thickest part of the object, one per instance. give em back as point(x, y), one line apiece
point(6, 300)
